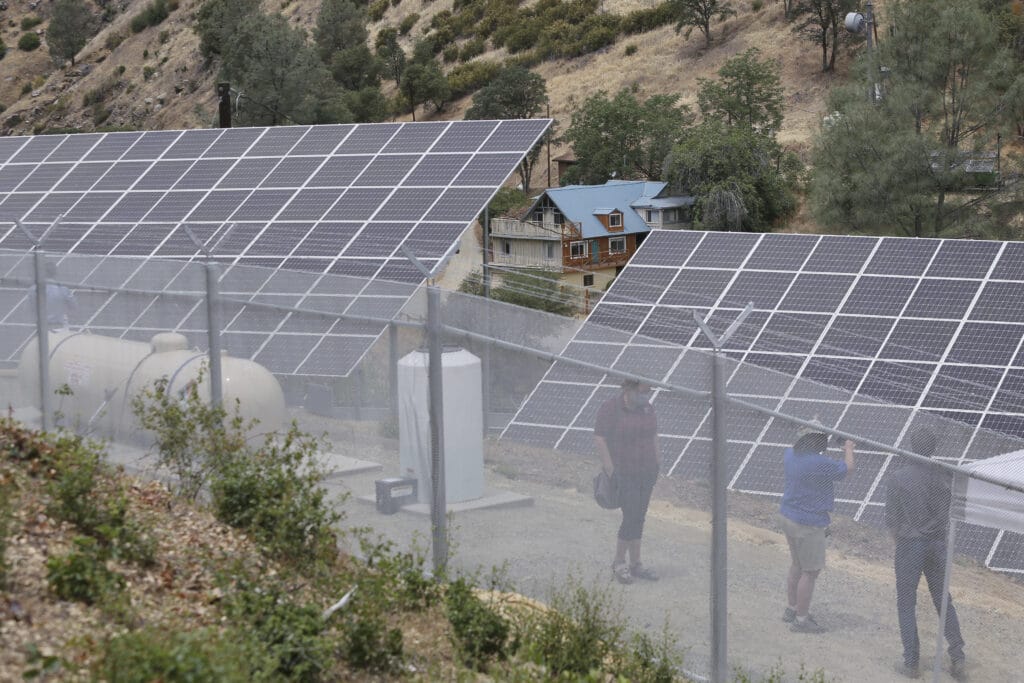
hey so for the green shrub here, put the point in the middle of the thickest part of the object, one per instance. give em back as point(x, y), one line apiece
point(479, 634)
point(290, 636)
point(395, 580)
point(630, 50)
point(757, 5)
point(26, 88)
point(450, 53)
point(472, 48)
point(82, 575)
point(100, 114)
point(469, 77)
point(3, 49)
point(152, 15)
point(147, 72)
point(156, 654)
point(644, 20)
point(28, 42)
point(29, 22)
point(377, 9)
point(407, 23)
point(164, 36)
point(114, 40)
point(367, 640)
point(6, 521)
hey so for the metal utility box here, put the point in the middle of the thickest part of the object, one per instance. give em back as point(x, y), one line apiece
point(394, 492)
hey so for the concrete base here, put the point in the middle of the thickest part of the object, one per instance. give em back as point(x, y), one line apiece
point(335, 465)
point(490, 500)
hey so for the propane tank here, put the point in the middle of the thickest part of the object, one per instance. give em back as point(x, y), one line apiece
point(104, 375)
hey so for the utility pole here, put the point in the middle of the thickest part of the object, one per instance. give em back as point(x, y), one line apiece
point(856, 22)
point(224, 97)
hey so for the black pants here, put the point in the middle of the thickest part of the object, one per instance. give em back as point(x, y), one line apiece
point(635, 490)
point(914, 557)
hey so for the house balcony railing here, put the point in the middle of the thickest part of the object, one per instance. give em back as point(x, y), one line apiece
point(604, 261)
point(520, 261)
point(548, 230)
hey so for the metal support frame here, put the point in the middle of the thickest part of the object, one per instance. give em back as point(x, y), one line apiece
point(393, 370)
point(485, 362)
point(212, 321)
point(719, 508)
point(42, 325)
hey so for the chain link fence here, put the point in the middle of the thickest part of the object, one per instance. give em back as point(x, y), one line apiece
point(520, 396)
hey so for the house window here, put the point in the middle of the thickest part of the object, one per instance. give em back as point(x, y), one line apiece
point(615, 220)
point(538, 216)
point(558, 217)
point(549, 250)
point(577, 249)
point(617, 245)
point(588, 280)
point(648, 216)
point(506, 247)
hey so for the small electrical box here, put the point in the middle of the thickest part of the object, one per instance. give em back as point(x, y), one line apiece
point(394, 492)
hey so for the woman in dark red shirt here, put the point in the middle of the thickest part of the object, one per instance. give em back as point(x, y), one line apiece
point(626, 435)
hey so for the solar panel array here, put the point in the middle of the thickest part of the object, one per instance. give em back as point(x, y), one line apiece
point(326, 201)
point(870, 334)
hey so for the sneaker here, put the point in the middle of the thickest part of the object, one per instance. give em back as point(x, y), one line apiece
point(638, 571)
point(906, 670)
point(789, 615)
point(620, 573)
point(958, 669)
point(807, 625)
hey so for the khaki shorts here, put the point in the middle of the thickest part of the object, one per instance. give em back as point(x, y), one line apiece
point(806, 544)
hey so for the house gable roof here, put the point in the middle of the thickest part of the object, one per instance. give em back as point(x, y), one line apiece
point(582, 204)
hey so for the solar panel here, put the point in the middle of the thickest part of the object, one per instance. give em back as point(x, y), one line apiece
point(324, 200)
point(872, 334)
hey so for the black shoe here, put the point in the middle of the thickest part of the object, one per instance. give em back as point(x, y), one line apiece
point(906, 670)
point(638, 571)
point(789, 615)
point(807, 625)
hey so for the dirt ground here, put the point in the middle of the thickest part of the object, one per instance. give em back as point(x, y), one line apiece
point(564, 533)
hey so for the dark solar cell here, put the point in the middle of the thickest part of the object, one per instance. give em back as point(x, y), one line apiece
point(722, 250)
point(466, 137)
point(339, 171)
point(899, 383)
point(277, 141)
point(233, 142)
point(879, 295)
point(143, 241)
point(102, 238)
point(488, 169)
point(900, 256)
point(816, 292)
point(322, 139)
point(400, 270)
point(11, 177)
point(556, 404)
point(941, 299)
point(379, 239)
point(1010, 397)
point(408, 204)
point(675, 325)
point(332, 356)
point(742, 337)
point(1011, 262)
point(416, 137)
point(855, 336)
point(74, 147)
point(386, 170)
point(163, 175)
point(37, 149)
point(962, 387)
point(63, 237)
point(192, 144)
point(764, 290)
point(44, 177)
point(666, 250)
point(112, 146)
point(627, 318)
point(204, 174)
point(782, 252)
point(368, 139)
point(92, 206)
point(277, 238)
point(218, 205)
point(842, 373)
point(696, 287)
point(52, 206)
point(16, 206)
point(152, 145)
point(433, 239)
point(360, 268)
point(304, 263)
point(327, 239)
point(358, 204)
point(460, 204)
point(293, 172)
point(234, 238)
point(840, 254)
point(963, 258)
point(174, 206)
point(134, 206)
point(10, 146)
point(512, 135)
point(262, 205)
point(919, 340)
point(1000, 301)
point(83, 176)
point(122, 176)
point(436, 170)
point(248, 173)
point(642, 284)
point(792, 332)
point(986, 344)
point(285, 352)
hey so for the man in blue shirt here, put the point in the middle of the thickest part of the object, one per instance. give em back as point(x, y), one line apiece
point(808, 498)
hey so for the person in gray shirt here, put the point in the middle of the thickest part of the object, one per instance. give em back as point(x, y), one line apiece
point(60, 301)
point(917, 504)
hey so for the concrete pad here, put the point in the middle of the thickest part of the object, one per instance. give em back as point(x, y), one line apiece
point(490, 500)
point(336, 465)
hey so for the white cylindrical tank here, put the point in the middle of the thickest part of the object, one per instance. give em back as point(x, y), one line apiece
point(463, 424)
point(104, 374)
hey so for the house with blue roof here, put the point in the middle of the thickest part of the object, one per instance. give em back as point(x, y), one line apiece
point(587, 232)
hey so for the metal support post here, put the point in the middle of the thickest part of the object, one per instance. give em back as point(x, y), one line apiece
point(719, 510)
point(485, 362)
point(438, 499)
point(393, 370)
point(43, 336)
point(213, 332)
point(224, 104)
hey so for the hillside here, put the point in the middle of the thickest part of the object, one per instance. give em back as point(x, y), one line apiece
point(157, 79)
